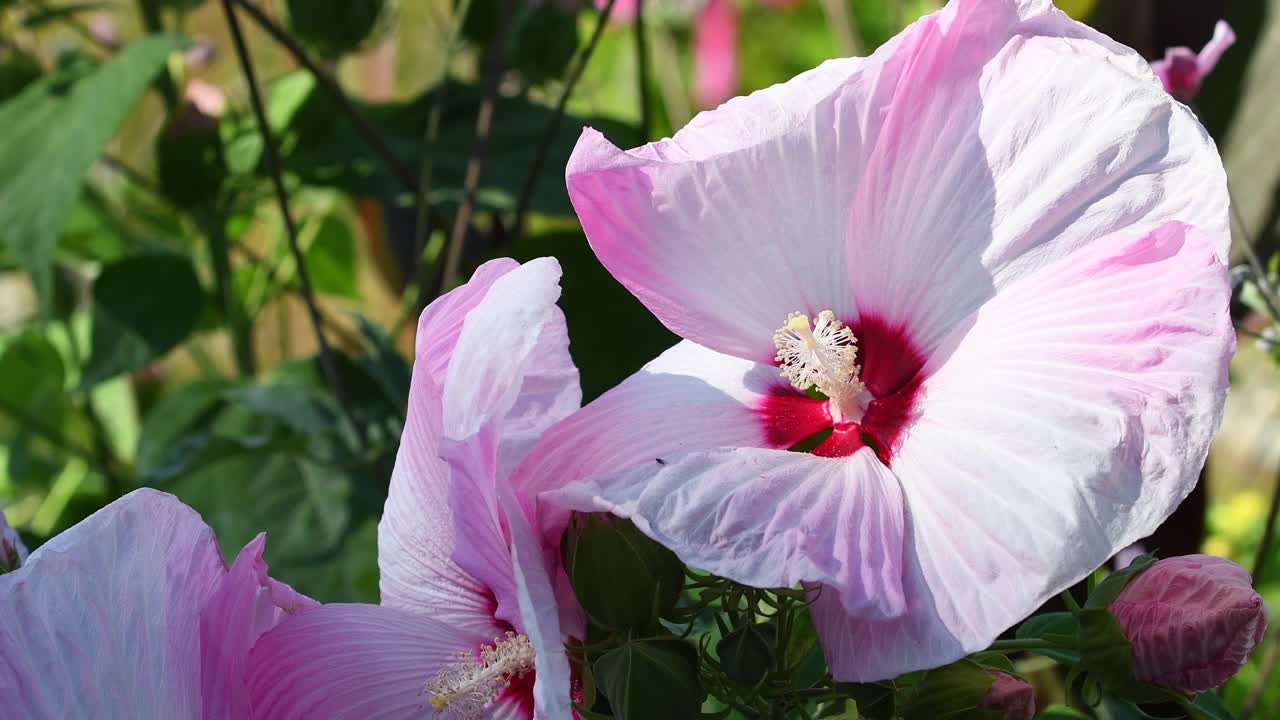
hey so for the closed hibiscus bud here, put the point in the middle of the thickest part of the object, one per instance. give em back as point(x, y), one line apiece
point(1010, 695)
point(1192, 621)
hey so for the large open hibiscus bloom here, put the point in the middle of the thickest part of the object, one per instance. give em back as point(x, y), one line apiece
point(994, 248)
point(469, 626)
point(132, 613)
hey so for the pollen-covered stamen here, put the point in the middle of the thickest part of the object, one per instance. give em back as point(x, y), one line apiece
point(464, 690)
point(824, 356)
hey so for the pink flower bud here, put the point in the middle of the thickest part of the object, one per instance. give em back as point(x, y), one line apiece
point(1010, 695)
point(1192, 620)
point(1182, 69)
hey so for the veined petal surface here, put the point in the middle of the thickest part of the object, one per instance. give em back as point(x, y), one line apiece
point(103, 621)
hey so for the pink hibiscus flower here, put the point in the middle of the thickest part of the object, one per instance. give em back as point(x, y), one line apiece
point(996, 246)
point(1182, 69)
point(469, 624)
point(132, 613)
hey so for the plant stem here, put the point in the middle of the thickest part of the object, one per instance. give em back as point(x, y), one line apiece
point(291, 230)
point(425, 223)
point(1268, 535)
point(553, 125)
point(1265, 669)
point(843, 27)
point(1020, 644)
point(471, 180)
point(642, 68)
point(326, 81)
point(150, 10)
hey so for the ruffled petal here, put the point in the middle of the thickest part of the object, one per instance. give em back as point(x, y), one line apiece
point(513, 350)
point(354, 662)
point(424, 566)
point(1065, 420)
point(984, 142)
point(441, 322)
point(768, 518)
point(689, 398)
point(246, 604)
point(539, 613)
point(736, 221)
point(1013, 141)
point(103, 620)
point(416, 533)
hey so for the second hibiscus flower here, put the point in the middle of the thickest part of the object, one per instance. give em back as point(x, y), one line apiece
point(980, 272)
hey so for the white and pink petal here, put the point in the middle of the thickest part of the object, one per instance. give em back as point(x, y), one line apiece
point(1065, 420)
point(103, 620)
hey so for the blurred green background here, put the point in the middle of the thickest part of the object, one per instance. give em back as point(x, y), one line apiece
point(153, 323)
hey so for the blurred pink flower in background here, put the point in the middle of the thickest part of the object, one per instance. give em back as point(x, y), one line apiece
point(468, 605)
point(1023, 351)
point(1182, 70)
point(12, 552)
point(1192, 620)
point(715, 53)
point(715, 41)
point(1010, 695)
point(132, 613)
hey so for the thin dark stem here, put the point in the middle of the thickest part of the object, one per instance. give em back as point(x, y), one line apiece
point(642, 67)
point(553, 125)
point(150, 10)
point(1261, 278)
point(471, 180)
point(1268, 535)
point(326, 81)
point(291, 230)
point(425, 223)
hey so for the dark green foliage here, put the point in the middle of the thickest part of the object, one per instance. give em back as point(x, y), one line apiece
point(143, 306)
point(655, 678)
point(333, 27)
point(54, 131)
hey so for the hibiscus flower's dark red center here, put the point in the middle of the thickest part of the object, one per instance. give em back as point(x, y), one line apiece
point(890, 370)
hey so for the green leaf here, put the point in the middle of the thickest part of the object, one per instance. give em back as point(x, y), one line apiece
point(302, 505)
point(622, 578)
point(330, 152)
point(994, 661)
point(331, 256)
point(1108, 656)
point(876, 701)
point(18, 69)
point(653, 678)
point(948, 691)
point(747, 654)
point(1108, 589)
point(545, 40)
point(54, 130)
point(143, 306)
point(1062, 712)
point(1056, 627)
point(333, 27)
point(32, 385)
point(187, 410)
point(1206, 706)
